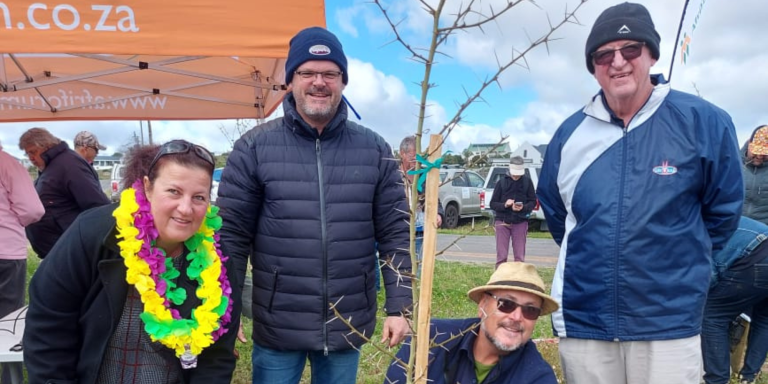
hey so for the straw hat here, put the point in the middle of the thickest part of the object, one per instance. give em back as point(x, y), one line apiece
point(517, 276)
point(759, 143)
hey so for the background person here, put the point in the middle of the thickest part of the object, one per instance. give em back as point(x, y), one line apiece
point(19, 207)
point(638, 189)
point(755, 173)
point(88, 146)
point(306, 196)
point(496, 346)
point(113, 301)
point(739, 284)
point(65, 184)
point(408, 163)
point(512, 201)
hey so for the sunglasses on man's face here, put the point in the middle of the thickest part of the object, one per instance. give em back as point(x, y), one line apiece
point(181, 147)
point(508, 306)
point(628, 52)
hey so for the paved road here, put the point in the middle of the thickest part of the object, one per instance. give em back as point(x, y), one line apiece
point(541, 252)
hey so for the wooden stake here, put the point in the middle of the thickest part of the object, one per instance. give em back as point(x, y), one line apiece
point(427, 262)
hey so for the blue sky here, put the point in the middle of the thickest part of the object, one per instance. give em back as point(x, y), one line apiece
point(727, 65)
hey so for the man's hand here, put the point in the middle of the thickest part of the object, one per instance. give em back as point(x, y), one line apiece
point(395, 328)
point(439, 221)
point(241, 334)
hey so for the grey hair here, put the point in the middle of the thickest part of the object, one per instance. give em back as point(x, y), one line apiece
point(408, 144)
point(39, 137)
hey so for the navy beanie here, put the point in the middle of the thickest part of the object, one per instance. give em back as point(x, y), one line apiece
point(315, 43)
point(626, 21)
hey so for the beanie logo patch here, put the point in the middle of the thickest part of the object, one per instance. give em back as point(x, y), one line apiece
point(624, 29)
point(319, 50)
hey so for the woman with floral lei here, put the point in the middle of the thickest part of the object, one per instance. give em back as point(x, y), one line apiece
point(139, 292)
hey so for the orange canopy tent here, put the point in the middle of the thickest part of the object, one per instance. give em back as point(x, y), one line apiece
point(147, 59)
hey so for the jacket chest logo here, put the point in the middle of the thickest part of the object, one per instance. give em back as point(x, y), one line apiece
point(665, 169)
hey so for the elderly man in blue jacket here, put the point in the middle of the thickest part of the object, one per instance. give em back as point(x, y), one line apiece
point(494, 347)
point(306, 196)
point(638, 188)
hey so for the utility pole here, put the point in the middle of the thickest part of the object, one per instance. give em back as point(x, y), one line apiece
point(141, 129)
point(149, 130)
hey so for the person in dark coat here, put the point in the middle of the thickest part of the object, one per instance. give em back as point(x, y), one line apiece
point(494, 347)
point(307, 196)
point(755, 172)
point(512, 201)
point(113, 301)
point(66, 186)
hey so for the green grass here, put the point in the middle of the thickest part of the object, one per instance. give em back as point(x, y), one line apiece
point(482, 227)
point(449, 300)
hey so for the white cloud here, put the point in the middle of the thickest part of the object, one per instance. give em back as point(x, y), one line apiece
point(385, 105)
point(726, 62)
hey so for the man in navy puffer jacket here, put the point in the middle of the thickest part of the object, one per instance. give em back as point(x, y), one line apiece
point(306, 196)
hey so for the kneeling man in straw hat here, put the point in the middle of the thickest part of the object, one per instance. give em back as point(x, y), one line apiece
point(496, 346)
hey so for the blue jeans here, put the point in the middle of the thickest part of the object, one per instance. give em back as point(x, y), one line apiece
point(418, 243)
point(285, 367)
point(735, 293)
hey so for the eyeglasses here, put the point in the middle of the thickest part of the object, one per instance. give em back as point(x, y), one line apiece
point(628, 52)
point(508, 306)
point(30, 153)
point(327, 75)
point(181, 147)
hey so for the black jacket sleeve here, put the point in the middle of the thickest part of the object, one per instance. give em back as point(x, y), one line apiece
point(240, 198)
point(56, 292)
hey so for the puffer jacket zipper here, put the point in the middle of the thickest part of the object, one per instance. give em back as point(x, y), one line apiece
point(324, 243)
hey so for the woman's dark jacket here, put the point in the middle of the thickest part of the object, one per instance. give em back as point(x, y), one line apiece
point(77, 297)
point(517, 190)
point(66, 187)
point(308, 209)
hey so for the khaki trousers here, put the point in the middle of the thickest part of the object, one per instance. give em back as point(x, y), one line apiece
point(631, 362)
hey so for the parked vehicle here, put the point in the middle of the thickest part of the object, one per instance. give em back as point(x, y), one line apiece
point(215, 184)
point(461, 195)
point(494, 175)
point(118, 171)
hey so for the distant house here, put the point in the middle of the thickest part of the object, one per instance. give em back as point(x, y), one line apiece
point(531, 154)
point(101, 163)
point(492, 150)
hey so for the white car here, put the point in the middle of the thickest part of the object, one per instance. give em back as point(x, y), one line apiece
point(118, 171)
point(461, 195)
point(215, 184)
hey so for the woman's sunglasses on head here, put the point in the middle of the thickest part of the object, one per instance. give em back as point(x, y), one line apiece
point(181, 147)
point(628, 52)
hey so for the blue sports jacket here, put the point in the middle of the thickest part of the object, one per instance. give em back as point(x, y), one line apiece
point(637, 212)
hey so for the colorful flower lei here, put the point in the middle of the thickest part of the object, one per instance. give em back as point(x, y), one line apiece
point(152, 274)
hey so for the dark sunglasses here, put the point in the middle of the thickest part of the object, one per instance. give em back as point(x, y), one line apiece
point(181, 147)
point(628, 52)
point(508, 306)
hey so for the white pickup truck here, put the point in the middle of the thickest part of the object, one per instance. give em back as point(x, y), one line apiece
point(494, 175)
